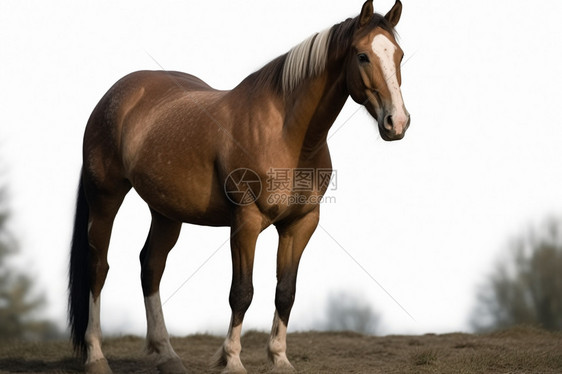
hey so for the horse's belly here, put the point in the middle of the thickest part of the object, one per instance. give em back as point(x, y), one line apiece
point(187, 194)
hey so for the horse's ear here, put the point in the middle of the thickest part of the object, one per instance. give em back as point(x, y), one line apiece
point(393, 15)
point(366, 13)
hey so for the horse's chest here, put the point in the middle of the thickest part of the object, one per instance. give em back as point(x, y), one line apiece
point(293, 191)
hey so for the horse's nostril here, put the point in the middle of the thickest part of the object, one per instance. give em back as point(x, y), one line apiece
point(388, 124)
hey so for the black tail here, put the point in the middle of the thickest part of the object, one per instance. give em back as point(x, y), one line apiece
point(79, 275)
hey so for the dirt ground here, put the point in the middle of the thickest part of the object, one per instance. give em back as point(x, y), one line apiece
point(518, 350)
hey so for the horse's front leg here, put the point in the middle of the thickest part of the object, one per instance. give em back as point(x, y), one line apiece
point(246, 226)
point(293, 237)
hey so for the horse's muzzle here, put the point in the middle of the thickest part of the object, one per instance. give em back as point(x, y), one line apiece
point(393, 127)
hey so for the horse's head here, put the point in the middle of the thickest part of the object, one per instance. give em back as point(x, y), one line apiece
point(373, 70)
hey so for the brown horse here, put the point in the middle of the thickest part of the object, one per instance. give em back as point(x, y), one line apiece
point(208, 157)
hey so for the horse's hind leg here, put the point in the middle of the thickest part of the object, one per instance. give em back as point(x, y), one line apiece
point(161, 239)
point(102, 211)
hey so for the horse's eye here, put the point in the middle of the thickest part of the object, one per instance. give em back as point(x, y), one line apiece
point(363, 58)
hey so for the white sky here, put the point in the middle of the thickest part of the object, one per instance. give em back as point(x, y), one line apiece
point(425, 217)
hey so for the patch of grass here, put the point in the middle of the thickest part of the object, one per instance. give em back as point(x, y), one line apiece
point(465, 345)
point(518, 350)
point(425, 357)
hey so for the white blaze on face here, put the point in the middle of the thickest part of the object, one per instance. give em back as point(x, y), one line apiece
point(385, 49)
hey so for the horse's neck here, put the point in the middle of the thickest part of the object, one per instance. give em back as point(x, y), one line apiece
point(312, 109)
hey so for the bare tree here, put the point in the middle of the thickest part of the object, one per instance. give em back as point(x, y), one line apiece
point(347, 312)
point(526, 286)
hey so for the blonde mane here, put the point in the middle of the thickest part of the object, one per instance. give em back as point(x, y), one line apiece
point(305, 60)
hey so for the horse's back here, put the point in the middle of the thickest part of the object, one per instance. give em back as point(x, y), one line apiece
point(145, 88)
point(132, 105)
point(182, 81)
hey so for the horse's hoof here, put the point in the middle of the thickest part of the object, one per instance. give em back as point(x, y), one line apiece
point(283, 367)
point(234, 370)
point(232, 366)
point(98, 367)
point(172, 366)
